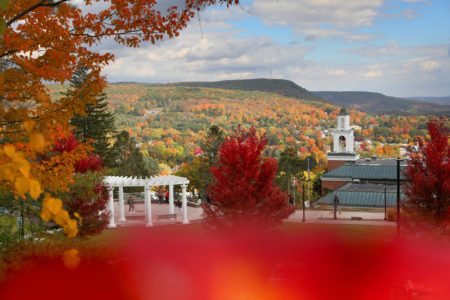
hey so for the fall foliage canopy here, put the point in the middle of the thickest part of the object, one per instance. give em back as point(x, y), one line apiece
point(44, 41)
point(428, 180)
point(243, 190)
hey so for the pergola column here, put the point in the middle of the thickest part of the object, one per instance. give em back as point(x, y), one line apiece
point(112, 224)
point(171, 206)
point(121, 205)
point(184, 203)
point(148, 207)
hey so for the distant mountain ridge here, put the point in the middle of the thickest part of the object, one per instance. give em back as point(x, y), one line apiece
point(377, 103)
point(282, 87)
point(437, 100)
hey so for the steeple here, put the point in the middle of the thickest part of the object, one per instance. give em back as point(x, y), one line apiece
point(343, 147)
point(343, 112)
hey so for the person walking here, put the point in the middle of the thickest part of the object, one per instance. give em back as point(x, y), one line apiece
point(178, 204)
point(130, 204)
point(166, 196)
point(160, 196)
point(336, 205)
point(291, 200)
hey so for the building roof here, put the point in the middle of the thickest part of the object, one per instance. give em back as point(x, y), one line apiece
point(362, 195)
point(381, 161)
point(343, 112)
point(367, 170)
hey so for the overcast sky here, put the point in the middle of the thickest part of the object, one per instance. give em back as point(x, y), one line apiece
point(396, 47)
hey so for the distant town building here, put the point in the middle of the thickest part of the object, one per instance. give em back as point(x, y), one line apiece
point(343, 142)
point(362, 182)
point(363, 195)
point(357, 182)
point(370, 170)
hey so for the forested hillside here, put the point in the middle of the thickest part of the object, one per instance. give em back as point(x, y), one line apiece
point(170, 122)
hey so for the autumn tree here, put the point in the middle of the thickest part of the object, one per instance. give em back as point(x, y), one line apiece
point(428, 180)
point(243, 191)
point(88, 199)
point(96, 124)
point(44, 41)
point(291, 164)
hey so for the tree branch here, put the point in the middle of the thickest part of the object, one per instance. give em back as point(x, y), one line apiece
point(42, 3)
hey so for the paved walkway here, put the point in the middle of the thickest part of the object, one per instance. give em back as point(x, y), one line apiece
point(344, 217)
point(138, 216)
point(195, 214)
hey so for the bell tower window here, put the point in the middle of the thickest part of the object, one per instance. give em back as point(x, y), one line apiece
point(342, 143)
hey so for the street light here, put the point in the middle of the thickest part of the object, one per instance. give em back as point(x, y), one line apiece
point(385, 201)
point(294, 183)
point(309, 171)
point(398, 197)
point(303, 199)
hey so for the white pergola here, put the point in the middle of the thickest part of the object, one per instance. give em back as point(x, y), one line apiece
point(146, 183)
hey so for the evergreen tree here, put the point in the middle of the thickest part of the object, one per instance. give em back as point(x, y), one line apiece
point(122, 149)
point(97, 123)
point(199, 170)
point(214, 138)
point(129, 160)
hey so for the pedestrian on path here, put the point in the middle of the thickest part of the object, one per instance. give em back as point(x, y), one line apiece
point(336, 206)
point(130, 205)
point(178, 204)
point(160, 196)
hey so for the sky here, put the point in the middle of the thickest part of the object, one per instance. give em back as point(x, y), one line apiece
point(396, 47)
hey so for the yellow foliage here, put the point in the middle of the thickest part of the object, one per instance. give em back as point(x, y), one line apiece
point(52, 210)
point(28, 125)
point(15, 174)
point(35, 189)
point(37, 142)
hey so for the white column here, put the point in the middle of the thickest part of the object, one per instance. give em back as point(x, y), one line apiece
point(184, 203)
point(171, 206)
point(148, 207)
point(121, 205)
point(112, 224)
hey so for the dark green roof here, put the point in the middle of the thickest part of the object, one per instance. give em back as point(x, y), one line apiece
point(343, 112)
point(365, 172)
point(362, 195)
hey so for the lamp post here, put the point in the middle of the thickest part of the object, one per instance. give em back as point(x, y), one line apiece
point(294, 183)
point(303, 199)
point(385, 201)
point(309, 171)
point(398, 197)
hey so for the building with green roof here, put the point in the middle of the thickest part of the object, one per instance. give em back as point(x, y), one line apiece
point(363, 195)
point(363, 171)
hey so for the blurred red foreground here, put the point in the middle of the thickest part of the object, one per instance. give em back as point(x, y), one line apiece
point(167, 264)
